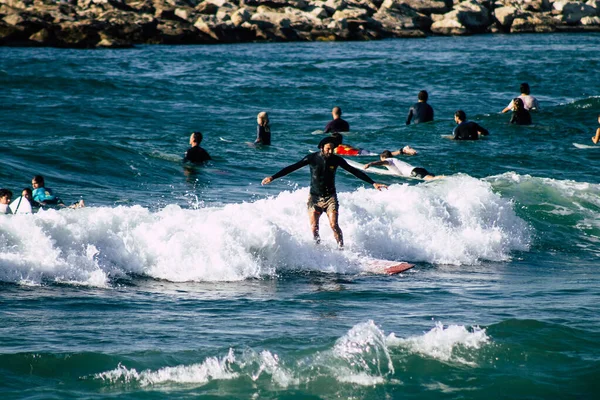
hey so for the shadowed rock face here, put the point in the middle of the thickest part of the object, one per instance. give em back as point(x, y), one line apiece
point(124, 23)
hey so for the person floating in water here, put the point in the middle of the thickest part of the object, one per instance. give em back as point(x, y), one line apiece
point(402, 168)
point(45, 197)
point(596, 138)
point(420, 111)
point(323, 197)
point(196, 154)
point(467, 130)
point(529, 102)
point(263, 130)
point(337, 124)
point(5, 197)
point(520, 115)
point(347, 150)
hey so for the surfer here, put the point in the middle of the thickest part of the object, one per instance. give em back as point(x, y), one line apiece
point(323, 197)
point(196, 154)
point(263, 130)
point(45, 196)
point(530, 102)
point(337, 124)
point(596, 138)
point(520, 115)
point(28, 195)
point(467, 130)
point(402, 168)
point(5, 197)
point(347, 150)
point(420, 111)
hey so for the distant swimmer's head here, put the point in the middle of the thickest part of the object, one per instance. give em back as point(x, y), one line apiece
point(518, 104)
point(26, 193)
point(336, 112)
point(5, 196)
point(460, 116)
point(525, 88)
point(423, 96)
point(195, 138)
point(338, 138)
point(262, 118)
point(38, 181)
point(385, 155)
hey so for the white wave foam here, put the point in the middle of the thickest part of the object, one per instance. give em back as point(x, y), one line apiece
point(459, 220)
point(211, 369)
point(444, 343)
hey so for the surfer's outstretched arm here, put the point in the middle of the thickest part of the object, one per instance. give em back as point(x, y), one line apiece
point(287, 170)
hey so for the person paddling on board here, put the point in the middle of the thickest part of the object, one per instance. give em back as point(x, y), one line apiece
point(323, 197)
point(347, 150)
point(402, 168)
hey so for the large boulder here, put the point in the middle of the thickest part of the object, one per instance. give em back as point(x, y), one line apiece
point(450, 27)
point(573, 12)
point(421, 6)
point(299, 4)
point(534, 23)
point(505, 16)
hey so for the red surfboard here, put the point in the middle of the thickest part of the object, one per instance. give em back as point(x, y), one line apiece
point(387, 267)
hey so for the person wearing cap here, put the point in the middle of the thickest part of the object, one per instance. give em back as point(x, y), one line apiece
point(337, 124)
point(196, 154)
point(530, 102)
point(323, 197)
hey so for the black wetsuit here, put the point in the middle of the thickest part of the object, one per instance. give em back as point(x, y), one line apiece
point(196, 155)
point(337, 125)
point(421, 112)
point(522, 117)
point(322, 171)
point(263, 134)
point(468, 131)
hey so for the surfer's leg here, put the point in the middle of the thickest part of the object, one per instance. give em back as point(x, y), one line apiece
point(313, 217)
point(332, 213)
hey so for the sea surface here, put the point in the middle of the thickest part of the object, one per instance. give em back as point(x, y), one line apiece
point(187, 282)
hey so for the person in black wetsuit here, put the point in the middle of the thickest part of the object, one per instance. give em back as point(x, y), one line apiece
point(196, 154)
point(467, 130)
point(263, 130)
point(323, 197)
point(520, 115)
point(337, 124)
point(421, 111)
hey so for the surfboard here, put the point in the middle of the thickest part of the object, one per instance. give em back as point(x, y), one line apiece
point(387, 267)
point(586, 146)
point(21, 206)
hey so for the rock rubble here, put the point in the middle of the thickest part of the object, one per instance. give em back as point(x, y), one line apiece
point(124, 23)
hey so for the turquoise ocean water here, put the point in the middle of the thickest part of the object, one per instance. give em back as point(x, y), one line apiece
point(181, 282)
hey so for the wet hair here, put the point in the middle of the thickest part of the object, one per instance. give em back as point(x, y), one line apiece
point(338, 137)
point(197, 136)
point(386, 154)
point(5, 192)
point(28, 190)
point(423, 96)
point(337, 111)
point(519, 106)
point(525, 88)
point(263, 116)
point(328, 139)
point(39, 180)
point(461, 115)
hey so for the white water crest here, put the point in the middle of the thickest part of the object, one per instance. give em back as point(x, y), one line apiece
point(458, 220)
point(444, 343)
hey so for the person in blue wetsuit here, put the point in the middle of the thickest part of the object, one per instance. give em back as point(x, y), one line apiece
point(467, 130)
point(44, 196)
point(263, 130)
point(196, 154)
point(421, 111)
point(323, 197)
point(337, 124)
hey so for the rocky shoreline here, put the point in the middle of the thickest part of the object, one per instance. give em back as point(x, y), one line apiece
point(124, 23)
